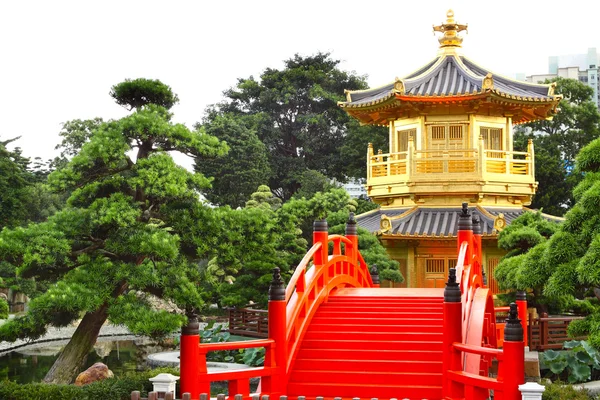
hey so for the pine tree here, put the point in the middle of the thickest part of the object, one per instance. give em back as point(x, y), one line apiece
point(126, 236)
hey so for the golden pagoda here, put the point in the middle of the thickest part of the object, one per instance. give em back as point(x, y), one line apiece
point(450, 141)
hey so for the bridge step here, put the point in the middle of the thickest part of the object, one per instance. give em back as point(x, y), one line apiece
point(376, 336)
point(352, 365)
point(366, 391)
point(347, 326)
point(424, 354)
point(352, 345)
point(368, 343)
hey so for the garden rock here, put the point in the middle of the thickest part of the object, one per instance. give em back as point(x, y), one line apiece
point(95, 373)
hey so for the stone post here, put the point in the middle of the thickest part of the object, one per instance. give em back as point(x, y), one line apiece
point(163, 384)
point(531, 391)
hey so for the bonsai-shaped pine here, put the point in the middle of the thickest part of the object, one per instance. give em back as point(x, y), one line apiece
point(124, 237)
point(568, 263)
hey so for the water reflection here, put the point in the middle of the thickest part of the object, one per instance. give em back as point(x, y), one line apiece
point(31, 363)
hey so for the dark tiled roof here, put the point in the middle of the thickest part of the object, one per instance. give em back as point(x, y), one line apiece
point(433, 222)
point(450, 75)
point(371, 220)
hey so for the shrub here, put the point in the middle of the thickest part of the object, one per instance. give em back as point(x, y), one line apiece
point(3, 309)
point(560, 391)
point(119, 388)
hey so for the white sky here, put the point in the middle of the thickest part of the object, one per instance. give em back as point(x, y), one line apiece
point(58, 59)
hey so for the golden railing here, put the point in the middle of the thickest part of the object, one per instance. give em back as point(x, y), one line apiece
point(412, 164)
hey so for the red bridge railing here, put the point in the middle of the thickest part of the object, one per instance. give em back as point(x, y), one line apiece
point(291, 309)
point(470, 332)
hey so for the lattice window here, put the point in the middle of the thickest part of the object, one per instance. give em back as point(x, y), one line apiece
point(456, 132)
point(403, 137)
point(452, 263)
point(436, 266)
point(438, 132)
point(492, 138)
point(492, 263)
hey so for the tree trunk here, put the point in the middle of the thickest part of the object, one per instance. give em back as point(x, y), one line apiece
point(70, 361)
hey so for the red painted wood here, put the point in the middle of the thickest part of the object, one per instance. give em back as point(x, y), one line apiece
point(190, 365)
point(336, 335)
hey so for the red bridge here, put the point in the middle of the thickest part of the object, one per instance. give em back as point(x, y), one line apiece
point(334, 333)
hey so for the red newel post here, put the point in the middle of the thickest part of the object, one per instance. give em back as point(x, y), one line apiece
point(522, 309)
point(189, 357)
point(452, 334)
point(514, 355)
point(320, 235)
point(375, 275)
point(352, 234)
point(277, 332)
point(465, 232)
point(477, 258)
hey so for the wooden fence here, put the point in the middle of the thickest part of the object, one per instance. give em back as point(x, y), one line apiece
point(549, 333)
point(248, 322)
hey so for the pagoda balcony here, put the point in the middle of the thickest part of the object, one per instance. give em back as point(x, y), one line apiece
point(461, 171)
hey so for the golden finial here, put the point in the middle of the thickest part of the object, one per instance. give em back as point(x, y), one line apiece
point(450, 30)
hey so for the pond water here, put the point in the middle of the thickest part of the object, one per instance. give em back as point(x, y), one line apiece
point(123, 354)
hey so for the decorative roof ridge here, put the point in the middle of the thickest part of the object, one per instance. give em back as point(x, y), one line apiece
point(368, 213)
point(468, 70)
point(404, 214)
point(549, 86)
point(346, 91)
point(433, 67)
point(485, 212)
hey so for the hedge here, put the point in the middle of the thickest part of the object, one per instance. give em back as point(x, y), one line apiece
point(118, 388)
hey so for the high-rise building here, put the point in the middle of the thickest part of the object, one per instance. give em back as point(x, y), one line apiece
point(583, 67)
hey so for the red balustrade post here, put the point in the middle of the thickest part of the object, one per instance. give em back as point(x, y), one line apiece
point(452, 334)
point(514, 355)
point(465, 232)
point(352, 235)
point(375, 275)
point(277, 332)
point(189, 357)
point(320, 235)
point(477, 250)
point(522, 309)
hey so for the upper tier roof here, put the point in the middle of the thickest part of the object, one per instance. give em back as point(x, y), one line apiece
point(451, 76)
point(450, 79)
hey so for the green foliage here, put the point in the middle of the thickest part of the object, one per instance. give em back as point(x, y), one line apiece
point(297, 118)
point(263, 197)
point(526, 241)
point(557, 142)
point(140, 92)
point(245, 166)
point(311, 182)
point(336, 206)
point(565, 268)
point(118, 388)
point(3, 309)
point(578, 360)
point(127, 235)
point(365, 205)
point(14, 182)
point(560, 391)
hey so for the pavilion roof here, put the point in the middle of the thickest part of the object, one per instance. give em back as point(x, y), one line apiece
point(437, 222)
point(451, 78)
